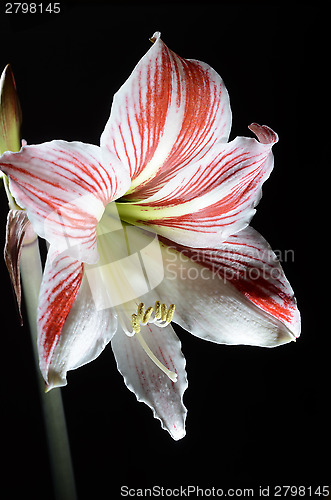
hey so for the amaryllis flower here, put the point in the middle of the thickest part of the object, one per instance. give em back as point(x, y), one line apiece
point(152, 227)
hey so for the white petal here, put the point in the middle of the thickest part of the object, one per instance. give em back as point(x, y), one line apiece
point(84, 336)
point(71, 331)
point(65, 186)
point(212, 198)
point(147, 381)
point(229, 308)
point(168, 113)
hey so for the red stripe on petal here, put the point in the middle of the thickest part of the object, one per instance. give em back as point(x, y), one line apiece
point(216, 195)
point(170, 112)
point(61, 282)
point(64, 187)
point(247, 262)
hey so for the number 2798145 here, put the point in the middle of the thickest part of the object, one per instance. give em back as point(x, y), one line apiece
point(32, 8)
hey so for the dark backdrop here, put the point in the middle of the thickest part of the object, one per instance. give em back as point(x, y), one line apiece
point(255, 416)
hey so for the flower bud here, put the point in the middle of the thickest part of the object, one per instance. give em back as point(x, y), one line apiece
point(10, 113)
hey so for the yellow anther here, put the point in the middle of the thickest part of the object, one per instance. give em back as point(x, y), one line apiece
point(135, 323)
point(163, 312)
point(162, 315)
point(147, 315)
point(170, 313)
point(157, 309)
point(141, 311)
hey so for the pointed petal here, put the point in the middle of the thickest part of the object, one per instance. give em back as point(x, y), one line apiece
point(237, 294)
point(168, 113)
point(10, 113)
point(64, 188)
point(147, 381)
point(212, 198)
point(18, 228)
point(247, 261)
point(59, 288)
point(72, 332)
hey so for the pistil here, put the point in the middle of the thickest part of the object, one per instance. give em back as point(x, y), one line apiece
point(150, 354)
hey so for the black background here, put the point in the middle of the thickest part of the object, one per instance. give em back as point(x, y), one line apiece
point(255, 416)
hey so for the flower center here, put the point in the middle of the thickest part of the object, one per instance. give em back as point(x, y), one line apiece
point(120, 277)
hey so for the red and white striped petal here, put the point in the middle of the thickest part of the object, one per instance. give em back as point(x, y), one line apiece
point(169, 112)
point(64, 187)
point(236, 294)
point(61, 281)
point(211, 199)
point(147, 381)
point(247, 261)
point(71, 331)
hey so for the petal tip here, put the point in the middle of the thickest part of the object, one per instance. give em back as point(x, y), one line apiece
point(286, 336)
point(264, 133)
point(55, 380)
point(155, 37)
point(177, 433)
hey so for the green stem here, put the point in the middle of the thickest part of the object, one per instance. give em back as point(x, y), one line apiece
point(55, 424)
point(11, 202)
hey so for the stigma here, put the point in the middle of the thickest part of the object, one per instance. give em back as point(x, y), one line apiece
point(161, 316)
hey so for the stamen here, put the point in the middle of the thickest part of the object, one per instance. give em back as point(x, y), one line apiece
point(163, 312)
point(141, 311)
point(162, 317)
point(169, 373)
point(157, 309)
point(135, 323)
point(170, 313)
point(147, 315)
